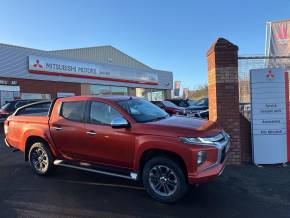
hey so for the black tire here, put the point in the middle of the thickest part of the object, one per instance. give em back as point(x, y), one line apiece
point(40, 159)
point(151, 180)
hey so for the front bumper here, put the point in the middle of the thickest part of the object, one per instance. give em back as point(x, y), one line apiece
point(214, 170)
point(208, 174)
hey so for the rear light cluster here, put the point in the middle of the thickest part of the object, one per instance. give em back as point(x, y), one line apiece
point(6, 126)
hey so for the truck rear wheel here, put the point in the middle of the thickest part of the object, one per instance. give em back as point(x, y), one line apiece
point(40, 159)
point(164, 180)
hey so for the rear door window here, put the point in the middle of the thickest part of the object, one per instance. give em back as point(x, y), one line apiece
point(73, 110)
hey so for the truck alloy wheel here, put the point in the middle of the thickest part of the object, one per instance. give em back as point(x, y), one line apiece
point(164, 179)
point(40, 158)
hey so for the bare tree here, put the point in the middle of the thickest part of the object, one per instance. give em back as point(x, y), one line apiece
point(199, 92)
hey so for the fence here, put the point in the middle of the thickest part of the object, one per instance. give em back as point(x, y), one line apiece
point(247, 63)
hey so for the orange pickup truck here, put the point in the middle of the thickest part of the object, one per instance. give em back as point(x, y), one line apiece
point(121, 136)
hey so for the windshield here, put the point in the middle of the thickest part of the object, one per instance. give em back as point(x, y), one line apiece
point(202, 102)
point(143, 111)
point(191, 102)
point(169, 104)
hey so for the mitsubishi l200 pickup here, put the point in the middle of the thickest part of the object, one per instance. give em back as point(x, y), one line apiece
point(120, 136)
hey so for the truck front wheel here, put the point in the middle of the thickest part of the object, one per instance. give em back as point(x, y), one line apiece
point(40, 158)
point(164, 180)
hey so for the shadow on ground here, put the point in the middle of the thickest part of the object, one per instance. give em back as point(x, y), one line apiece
point(242, 191)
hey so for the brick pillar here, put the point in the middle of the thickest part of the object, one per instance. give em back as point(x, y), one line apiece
point(223, 92)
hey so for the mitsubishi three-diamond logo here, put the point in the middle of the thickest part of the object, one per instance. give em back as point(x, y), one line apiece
point(37, 64)
point(270, 75)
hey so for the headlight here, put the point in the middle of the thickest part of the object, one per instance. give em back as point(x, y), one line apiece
point(199, 141)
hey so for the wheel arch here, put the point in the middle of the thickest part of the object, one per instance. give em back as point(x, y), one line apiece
point(151, 153)
point(30, 141)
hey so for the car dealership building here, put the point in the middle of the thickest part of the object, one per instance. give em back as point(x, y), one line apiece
point(31, 73)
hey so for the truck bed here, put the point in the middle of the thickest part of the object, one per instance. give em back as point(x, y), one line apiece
point(33, 118)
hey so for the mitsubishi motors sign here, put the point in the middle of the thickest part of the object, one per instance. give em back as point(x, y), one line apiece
point(68, 68)
point(270, 115)
point(278, 38)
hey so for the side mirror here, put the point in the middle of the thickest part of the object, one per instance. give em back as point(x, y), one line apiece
point(119, 122)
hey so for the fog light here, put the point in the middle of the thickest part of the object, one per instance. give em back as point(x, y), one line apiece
point(201, 157)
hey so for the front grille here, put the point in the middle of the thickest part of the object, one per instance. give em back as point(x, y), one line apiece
point(222, 142)
point(223, 156)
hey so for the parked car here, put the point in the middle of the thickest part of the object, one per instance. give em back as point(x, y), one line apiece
point(182, 102)
point(121, 136)
point(199, 109)
point(245, 110)
point(170, 107)
point(9, 107)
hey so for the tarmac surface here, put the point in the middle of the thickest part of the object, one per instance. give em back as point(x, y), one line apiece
point(242, 191)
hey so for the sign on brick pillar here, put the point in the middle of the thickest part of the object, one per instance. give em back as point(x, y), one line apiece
point(223, 92)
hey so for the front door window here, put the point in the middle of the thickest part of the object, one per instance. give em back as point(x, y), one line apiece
point(103, 114)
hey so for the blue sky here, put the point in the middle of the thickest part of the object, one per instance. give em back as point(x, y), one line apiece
point(171, 35)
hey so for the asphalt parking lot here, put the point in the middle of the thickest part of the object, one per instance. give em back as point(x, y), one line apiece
point(244, 191)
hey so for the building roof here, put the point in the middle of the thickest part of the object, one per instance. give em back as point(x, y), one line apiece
point(19, 47)
point(101, 54)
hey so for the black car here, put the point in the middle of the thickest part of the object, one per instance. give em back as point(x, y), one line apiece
point(199, 109)
point(9, 107)
point(182, 102)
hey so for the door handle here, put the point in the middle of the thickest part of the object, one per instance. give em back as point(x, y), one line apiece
point(91, 132)
point(57, 128)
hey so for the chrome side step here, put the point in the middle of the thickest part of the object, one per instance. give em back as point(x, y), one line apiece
point(86, 167)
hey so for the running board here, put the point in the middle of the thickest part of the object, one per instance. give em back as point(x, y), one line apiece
point(90, 168)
